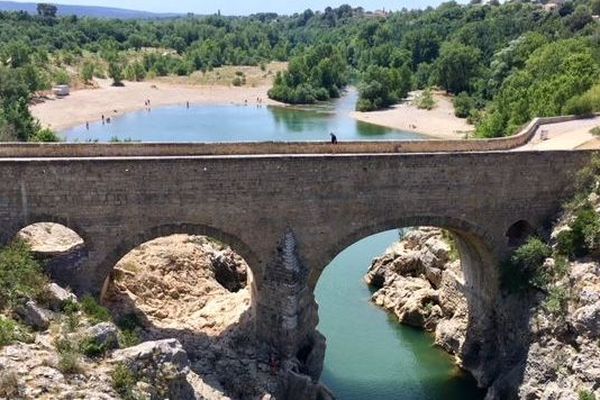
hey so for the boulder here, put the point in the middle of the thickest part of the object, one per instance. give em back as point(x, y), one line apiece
point(34, 316)
point(159, 351)
point(105, 334)
point(163, 364)
point(58, 297)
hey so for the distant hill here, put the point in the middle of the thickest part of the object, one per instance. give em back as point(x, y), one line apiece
point(85, 11)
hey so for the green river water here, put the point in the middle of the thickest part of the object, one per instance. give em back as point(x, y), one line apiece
point(369, 355)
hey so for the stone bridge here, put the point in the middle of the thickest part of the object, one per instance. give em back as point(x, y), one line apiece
point(289, 215)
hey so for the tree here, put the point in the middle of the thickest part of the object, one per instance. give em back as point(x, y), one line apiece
point(595, 7)
point(87, 71)
point(457, 66)
point(47, 10)
point(115, 71)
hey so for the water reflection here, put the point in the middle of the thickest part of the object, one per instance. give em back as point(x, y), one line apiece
point(240, 123)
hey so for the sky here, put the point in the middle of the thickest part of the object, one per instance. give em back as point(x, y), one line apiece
point(244, 7)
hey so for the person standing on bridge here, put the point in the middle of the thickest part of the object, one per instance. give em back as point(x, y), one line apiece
point(333, 138)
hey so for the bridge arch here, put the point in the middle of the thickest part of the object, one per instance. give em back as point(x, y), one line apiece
point(475, 246)
point(133, 241)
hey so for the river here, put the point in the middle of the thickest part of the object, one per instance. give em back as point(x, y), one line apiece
point(239, 123)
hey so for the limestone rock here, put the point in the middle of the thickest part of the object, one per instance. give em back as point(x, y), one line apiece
point(58, 297)
point(105, 334)
point(34, 316)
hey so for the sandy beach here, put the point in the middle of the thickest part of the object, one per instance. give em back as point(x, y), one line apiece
point(89, 104)
point(439, 122)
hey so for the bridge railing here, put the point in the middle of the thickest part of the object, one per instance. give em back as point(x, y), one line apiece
point(151, 149)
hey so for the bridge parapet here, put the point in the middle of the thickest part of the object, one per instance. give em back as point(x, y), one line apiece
point(154, 149)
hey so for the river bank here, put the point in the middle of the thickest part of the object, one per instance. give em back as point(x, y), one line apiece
point(439, 123)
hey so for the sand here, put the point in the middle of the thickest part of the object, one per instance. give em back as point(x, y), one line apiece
point(88, 105)
point(439, 122)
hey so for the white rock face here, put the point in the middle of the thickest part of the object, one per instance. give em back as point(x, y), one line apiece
point(421, 284)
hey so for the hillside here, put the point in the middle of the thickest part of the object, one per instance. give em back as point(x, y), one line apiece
point(85, 11)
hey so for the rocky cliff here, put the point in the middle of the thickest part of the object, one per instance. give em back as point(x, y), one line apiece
point(178, 324)
point(548, 338)
point(419, 280)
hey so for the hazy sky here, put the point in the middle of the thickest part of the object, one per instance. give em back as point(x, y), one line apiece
point(242, 7)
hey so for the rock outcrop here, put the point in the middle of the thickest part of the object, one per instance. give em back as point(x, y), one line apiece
point(419, 280)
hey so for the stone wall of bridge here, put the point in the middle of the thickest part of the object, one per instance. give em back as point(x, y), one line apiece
point(256, 204)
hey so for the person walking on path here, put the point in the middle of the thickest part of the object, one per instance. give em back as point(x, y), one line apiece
point(333, 138)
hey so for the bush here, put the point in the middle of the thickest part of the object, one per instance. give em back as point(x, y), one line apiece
point(237, 81)
point(463, 105)
point(9, 385)
point(557, 301)
point(45, 135)
point(129, 338)
point(584, 104)
point(21, 276)
point(95, 311)
point(69, 362)
point(11, 332)
point(584, 236)
point(87, 71)
point(586, 395)
point(595, 131)
point(92, 348)
point(124, 381)
point(425, 100)
point(524, 268)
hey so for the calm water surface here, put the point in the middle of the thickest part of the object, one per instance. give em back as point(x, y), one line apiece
point(239, 123)
point(369, 355)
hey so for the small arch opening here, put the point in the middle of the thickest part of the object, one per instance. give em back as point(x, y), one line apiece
point(518, 233)
point(59, 248)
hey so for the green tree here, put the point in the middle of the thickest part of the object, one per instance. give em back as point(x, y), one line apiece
point(457, 66)
point(47, 10)
point(115, 71)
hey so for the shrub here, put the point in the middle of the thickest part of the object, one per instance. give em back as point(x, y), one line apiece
point(129, 338)
point(45, 135)
point(69, 362)
point(595, 131)
point(557, 301)
point(524, 268)
point(92, 348)
point(11, 331)
point(237, 81)
point(584, 236)
point(425, 100)
point(9, 385)
point(124, 381)
point(463, 105)
point(586, 395)
point(87, 71)
point(94, 311)
point(129, 321)
point(20, 275)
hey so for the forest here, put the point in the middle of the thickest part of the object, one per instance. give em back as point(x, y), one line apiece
point(504, 63)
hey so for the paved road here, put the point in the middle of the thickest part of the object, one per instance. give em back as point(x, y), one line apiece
point(565, 136)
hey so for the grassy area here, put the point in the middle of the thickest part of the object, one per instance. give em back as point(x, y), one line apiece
point(225, 76)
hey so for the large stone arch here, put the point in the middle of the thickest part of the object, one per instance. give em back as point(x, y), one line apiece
point(479, 254)
point(103, 270)
point(476, 246)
